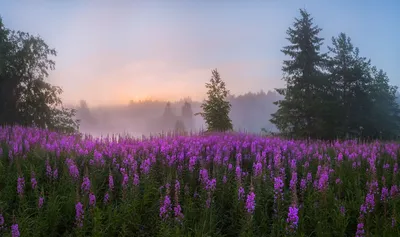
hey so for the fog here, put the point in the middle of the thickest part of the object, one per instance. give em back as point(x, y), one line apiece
point(250, 112)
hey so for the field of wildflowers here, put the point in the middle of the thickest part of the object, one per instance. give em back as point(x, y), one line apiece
point(215, 185)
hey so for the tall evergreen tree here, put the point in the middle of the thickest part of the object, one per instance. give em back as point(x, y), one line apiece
point(351, 83)
point(300, 112)
point(385, 112)
point(216, 107)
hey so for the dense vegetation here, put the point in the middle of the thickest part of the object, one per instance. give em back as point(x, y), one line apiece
point(222, 185)
point(333, 95)
point(54, 182)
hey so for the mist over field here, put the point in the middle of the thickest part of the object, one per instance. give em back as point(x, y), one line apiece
point(250, 113)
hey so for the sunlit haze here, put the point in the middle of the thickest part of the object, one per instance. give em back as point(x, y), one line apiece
point(114, 51)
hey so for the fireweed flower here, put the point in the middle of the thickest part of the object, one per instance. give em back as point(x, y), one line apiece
point(303, 185)
point(79, 214)
point(49, 172)
point(106, 198)
point(72, 168)
point(165, 208)
point(33, 181)
point(394, 191)
point(342, 210)
point(257, 169)
point(85, 184)
point(110, 182)
point(92, 199)
point(136, 179)
point(323, 181)
point(1, 220)
point(125, 180)
point(360, 230)
point(240, 193)
point(251, 202)
point(369, 204)
point(224, 179)
point(384, 194)
point(40, 202)
point(211, 185)
point(293, 218)
point(15, 230)
point(55, 174)
point(293, 181)
point(20, 185)
point(278, 188)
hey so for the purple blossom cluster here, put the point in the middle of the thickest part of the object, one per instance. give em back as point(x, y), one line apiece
point(287, 172)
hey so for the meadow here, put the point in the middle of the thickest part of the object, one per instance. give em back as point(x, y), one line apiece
point(214, 185)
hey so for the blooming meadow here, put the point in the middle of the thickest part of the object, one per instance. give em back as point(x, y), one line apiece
point(214, 185)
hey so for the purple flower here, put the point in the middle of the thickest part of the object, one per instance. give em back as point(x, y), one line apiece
point(241, 193)
point(178, 212)
point(79, 214)
point(33, 181)
point(224, 179)
point(15, 230)
point(85, 184)
point(165, 208)
point(278, 188)
point(360, 230)
point(370, 202)
point(251, 202)
point(211, 184)
point(110, 182)
point(293, 181)
point(40, 202)
point(48, 169)
point(92, 199)
point(1, 220)
point(20, 185)
point(323, 181)
point(72, 168)
point(394, 190)
point(106, 198)
point(342, 210)
point(136, 179)
point(293, 218)
point(257, 169)
point(55, 174)
point(384, 194)
point(125, 180)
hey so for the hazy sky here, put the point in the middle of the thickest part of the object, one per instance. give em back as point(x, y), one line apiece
point(113, 51)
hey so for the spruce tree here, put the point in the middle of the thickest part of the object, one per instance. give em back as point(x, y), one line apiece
point(216, 107)
point(350, 76)
point(385, 112)
point(301, 111)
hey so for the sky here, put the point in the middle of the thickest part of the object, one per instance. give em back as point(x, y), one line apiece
point(110, 52)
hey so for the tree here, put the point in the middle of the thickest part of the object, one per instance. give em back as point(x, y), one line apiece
point(179, 127)
point(216, 107)
point(301, 112)
point(350, 77)
point(187, 114)
point(385, 112)
point(25, 97)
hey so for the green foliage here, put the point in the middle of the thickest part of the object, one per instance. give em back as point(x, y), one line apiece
point(216, 107)
point(25, 97)
point(297, 113)
point(335, 95)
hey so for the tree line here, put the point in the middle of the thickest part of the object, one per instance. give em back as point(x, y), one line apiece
point(327, 95)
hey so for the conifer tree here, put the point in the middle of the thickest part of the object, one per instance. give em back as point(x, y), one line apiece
point(301, 112)
point(216, 107)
